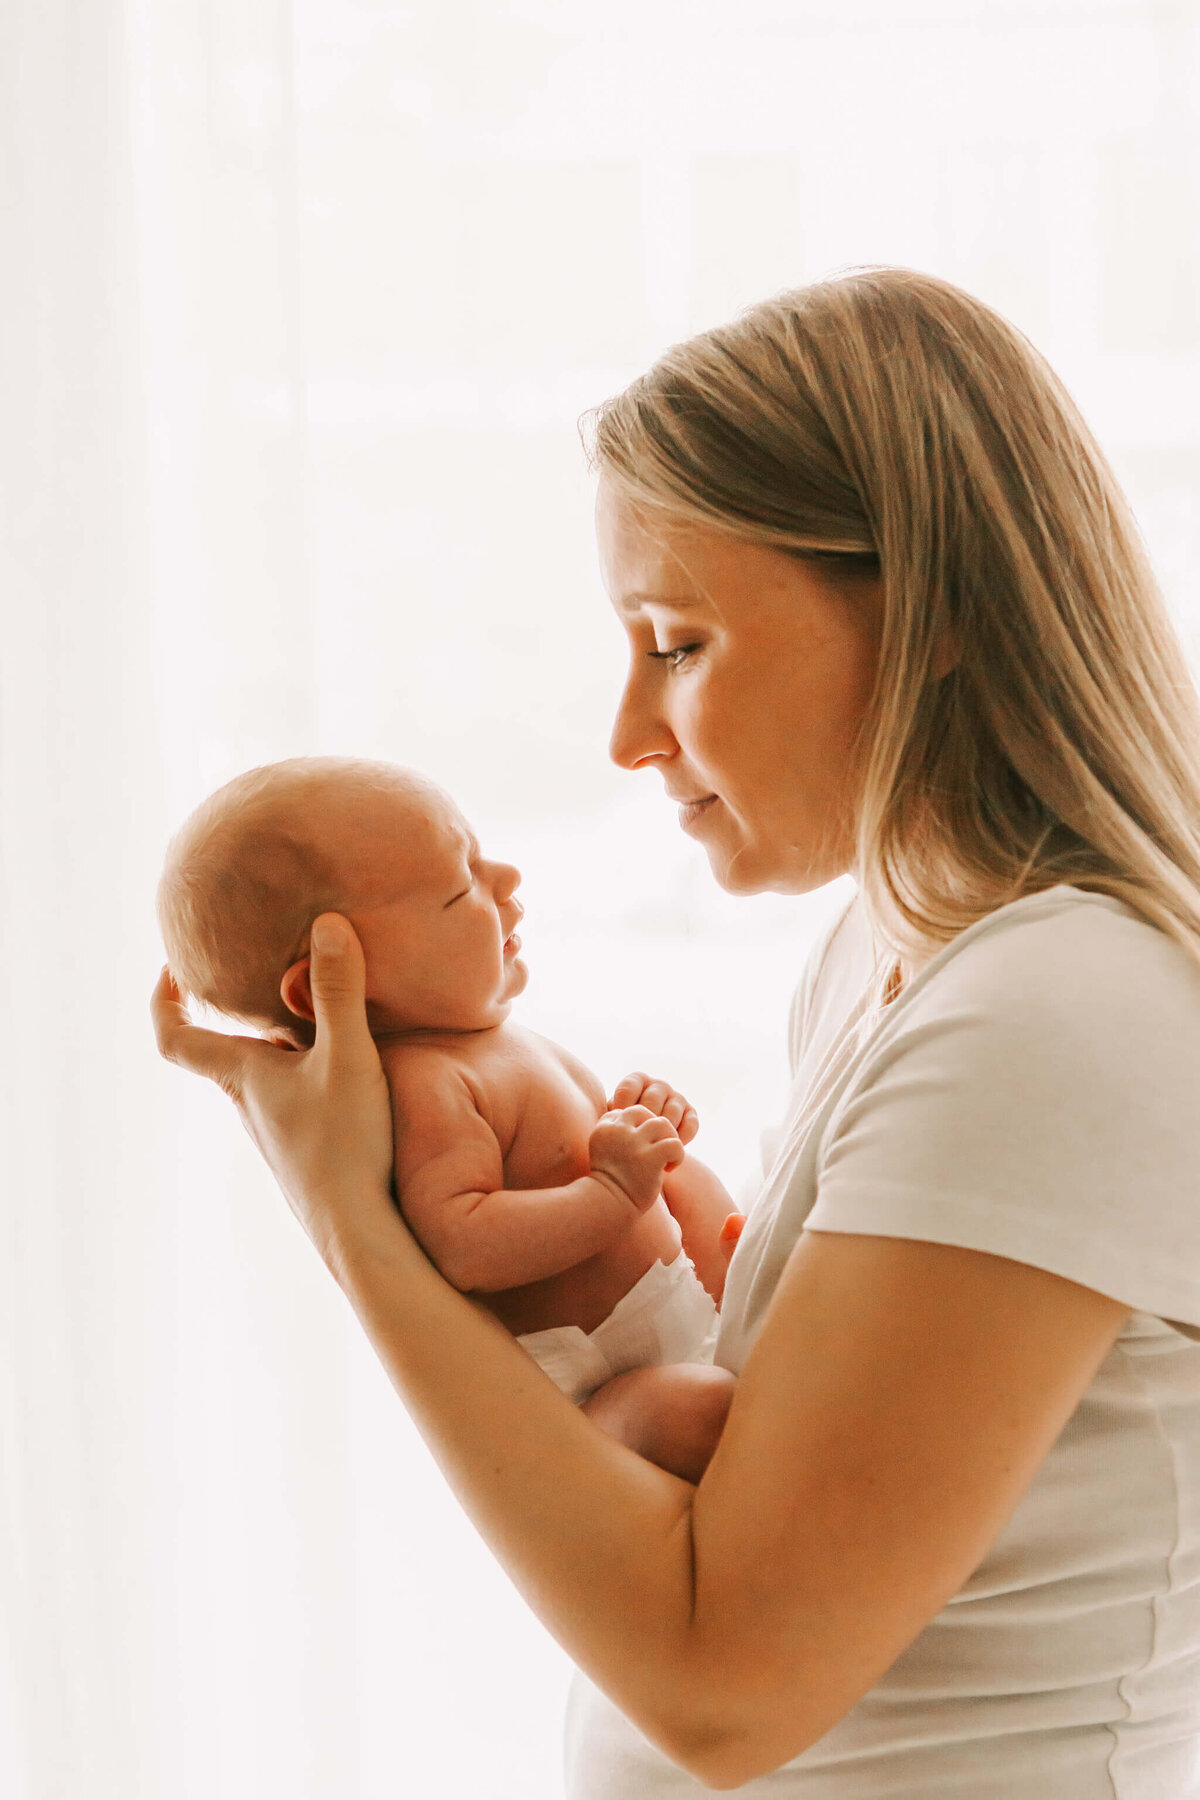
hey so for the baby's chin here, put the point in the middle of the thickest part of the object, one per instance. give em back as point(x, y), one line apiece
point(461, 1013)
point(518, 978)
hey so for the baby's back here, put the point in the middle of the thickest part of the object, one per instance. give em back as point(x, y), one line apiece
point(539, 1104)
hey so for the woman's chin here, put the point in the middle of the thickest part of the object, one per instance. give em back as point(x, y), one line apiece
point(748, 870)
point(738, 873)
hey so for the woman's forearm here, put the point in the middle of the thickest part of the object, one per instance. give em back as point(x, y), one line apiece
point(597, 1540)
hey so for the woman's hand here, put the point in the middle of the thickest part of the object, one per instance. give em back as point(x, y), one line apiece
point(321, 1117)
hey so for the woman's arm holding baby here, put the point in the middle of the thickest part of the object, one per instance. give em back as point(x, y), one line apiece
point(892, 1411)
point(485, 1237)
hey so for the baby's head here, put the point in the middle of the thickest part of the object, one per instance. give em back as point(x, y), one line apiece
point(259, 860)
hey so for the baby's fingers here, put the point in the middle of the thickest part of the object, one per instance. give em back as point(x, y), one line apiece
point(628, 1091)
point(675, 1109)
point(730, 1232)
point(660, 1097)
point(663, 1136)
point(640, 1089)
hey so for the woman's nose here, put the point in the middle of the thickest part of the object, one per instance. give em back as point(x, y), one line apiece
point(639, 734)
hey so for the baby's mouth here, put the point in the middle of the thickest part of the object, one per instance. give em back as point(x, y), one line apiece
point(512, 944)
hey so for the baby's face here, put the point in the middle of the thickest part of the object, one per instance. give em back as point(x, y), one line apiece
point(436, 918)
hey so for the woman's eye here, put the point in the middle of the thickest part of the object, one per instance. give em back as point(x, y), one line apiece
point(675, 658)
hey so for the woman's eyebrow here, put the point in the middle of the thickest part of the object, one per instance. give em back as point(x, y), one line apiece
point(678, 602)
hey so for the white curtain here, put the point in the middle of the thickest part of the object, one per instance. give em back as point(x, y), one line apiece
point(302, 299)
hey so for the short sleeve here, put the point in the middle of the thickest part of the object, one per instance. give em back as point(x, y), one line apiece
point(1036, 1095)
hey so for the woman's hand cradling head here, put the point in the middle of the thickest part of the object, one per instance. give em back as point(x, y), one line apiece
point(321, 1118)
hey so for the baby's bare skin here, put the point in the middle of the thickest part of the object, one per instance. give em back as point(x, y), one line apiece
point(493, 1168)
point(522, 1112)
point(525, 1186)
point(673, 1414)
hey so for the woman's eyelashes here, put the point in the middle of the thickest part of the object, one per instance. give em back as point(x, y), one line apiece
point(675, 657)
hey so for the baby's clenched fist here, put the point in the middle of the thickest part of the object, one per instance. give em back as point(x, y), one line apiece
point(659, 1097)
point(632, 1149)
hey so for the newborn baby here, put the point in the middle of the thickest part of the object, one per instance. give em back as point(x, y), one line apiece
point(523, 1187)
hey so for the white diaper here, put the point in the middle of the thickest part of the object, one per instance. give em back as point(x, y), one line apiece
point(666, 1317)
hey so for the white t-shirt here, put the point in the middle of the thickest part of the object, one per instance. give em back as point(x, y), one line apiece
point(1033, 1092)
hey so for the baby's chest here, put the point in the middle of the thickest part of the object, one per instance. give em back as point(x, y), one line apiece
point(551, 1122)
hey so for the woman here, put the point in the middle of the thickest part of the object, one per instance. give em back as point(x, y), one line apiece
point(888, 615)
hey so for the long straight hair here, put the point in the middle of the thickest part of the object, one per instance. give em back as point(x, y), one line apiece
point(886, 417)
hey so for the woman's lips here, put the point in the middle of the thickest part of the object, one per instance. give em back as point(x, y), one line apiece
point(692, 810)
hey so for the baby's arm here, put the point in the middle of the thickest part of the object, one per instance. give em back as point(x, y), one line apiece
point(701, 1206)
point(484, 1237)
point(696, 1197)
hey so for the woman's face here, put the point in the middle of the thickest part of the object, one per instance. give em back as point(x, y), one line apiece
point(750, 672)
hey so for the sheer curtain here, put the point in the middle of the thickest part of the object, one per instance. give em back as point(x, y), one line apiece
point(303, 300)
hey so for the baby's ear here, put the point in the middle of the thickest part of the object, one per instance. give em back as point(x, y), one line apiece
point(296, 991)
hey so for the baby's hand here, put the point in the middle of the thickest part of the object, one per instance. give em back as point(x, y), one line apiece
point(661, 1098)
point(632, 1148)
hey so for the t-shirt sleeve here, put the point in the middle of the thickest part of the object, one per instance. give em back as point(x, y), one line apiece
point(1039, 1098)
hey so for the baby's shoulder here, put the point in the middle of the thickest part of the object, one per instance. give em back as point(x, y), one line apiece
point(416, 1068)
point(476, 1068)
point(543, 1057)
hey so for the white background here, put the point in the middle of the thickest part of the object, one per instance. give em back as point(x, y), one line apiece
point(301, 303)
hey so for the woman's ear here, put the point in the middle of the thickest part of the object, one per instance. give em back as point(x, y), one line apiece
point(295, 990)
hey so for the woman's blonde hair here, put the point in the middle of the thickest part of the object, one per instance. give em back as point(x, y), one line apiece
point(888, 416)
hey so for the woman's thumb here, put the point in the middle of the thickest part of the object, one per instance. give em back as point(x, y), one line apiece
point(338, 975)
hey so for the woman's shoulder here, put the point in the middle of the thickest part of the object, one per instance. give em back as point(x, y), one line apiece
point(1067, 957)
point(1082, 970)
point(1032, 1094)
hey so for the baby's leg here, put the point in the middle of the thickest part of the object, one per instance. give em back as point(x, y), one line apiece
point(673, 1414)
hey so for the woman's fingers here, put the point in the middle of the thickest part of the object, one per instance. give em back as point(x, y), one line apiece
point(212, 1053)
point(338, 975)
point(322, 1118)
point(338, 985)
